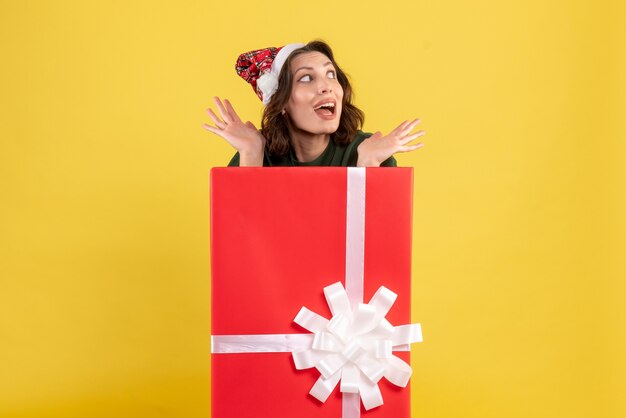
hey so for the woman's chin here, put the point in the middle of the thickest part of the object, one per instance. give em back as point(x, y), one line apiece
point(320, 128)
point(328, 126)
point(331, 129)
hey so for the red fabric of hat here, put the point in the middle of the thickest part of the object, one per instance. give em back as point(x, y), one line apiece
point(251, 65)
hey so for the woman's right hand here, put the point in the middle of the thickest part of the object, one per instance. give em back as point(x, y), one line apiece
point(244, 137)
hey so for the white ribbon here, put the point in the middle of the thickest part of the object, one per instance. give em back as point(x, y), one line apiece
point(260, 343)
point(355, 346)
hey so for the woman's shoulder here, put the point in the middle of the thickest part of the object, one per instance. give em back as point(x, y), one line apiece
point(360, 136)
point(234, 162)
point(268, 160)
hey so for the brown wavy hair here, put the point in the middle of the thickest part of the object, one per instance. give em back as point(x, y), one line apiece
point(274, 123)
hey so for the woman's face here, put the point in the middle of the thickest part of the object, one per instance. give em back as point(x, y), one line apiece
point(316, 95)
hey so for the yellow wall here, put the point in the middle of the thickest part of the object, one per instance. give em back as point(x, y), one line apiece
point(519, 203)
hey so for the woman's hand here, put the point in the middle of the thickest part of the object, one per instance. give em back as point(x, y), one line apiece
point(244, 137)
point(377, 148)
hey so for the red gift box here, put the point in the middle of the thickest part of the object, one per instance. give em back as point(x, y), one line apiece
point(278, 238)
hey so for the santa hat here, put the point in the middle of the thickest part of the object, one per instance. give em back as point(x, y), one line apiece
point(261, 68)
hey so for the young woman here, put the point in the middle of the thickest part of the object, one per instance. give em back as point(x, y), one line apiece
point(309, 118)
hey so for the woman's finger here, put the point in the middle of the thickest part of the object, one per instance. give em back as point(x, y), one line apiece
point(220, 108)
point(409, 127)
point(210, 128)
point(231, 111)
point(213, 129)
point(411, 137)
point(399, 128)
point(407, 148)
point(215, 119)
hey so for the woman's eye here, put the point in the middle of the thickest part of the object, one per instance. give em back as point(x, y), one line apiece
point(332, 74)
point(305, 78)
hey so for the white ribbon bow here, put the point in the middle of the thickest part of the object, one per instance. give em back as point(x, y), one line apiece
point(355, 347)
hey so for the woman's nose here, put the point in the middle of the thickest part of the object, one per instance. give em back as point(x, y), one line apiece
point(324, 86)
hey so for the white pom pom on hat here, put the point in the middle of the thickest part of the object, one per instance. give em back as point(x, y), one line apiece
point(261, 68)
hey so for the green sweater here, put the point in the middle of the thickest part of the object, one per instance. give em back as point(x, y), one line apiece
point(334, 156)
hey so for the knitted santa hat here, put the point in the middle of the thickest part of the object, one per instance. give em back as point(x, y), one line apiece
point(261, 68)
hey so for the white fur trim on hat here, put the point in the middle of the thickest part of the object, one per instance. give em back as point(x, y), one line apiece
point(268, 82)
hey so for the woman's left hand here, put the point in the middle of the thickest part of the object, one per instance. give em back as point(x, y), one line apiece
point(377, 148)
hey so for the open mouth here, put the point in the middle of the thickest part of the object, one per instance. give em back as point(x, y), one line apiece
point(325, 109)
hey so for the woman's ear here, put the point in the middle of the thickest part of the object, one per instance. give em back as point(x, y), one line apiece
point(283, 112)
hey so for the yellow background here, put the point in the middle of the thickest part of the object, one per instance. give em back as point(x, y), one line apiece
point(519, 195)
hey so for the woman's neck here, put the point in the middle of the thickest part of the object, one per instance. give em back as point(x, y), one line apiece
point(308, 147)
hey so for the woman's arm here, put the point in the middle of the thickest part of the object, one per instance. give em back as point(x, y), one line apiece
point(378, 148)
point(244, 137)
